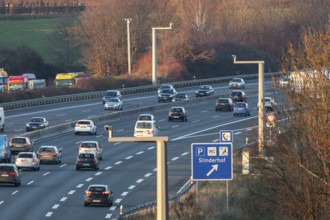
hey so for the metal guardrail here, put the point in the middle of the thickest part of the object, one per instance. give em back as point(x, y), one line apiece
point(125, 91)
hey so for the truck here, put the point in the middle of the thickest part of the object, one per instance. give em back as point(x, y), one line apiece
point(37, 83)
point(65, 79)
point(3, 80)
point(17, 83)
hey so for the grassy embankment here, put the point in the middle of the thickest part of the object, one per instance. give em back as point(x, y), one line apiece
point(30, 30)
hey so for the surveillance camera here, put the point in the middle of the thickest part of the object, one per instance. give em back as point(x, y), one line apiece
point(107, 127)
point(234, 57)
point(171, 24)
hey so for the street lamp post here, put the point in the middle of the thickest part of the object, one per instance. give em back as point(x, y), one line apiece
point(154, 51)
point(128, 20)
point(260, 101)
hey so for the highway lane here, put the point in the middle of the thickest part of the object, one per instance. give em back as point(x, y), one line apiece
point(73, 111)
point(129, 168)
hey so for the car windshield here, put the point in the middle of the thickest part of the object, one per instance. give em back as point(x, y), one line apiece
point(88, 145)
point(167, 91)
point(240, 105)
point(204, 87)
point(97, 189)
point(267, 99)
point(236, 80)
point(113, 100)
point(145, 125)
point(36, 120)
point(46, 149)
point(18, 141)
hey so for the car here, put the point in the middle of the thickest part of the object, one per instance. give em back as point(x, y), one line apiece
point(146, 129)
point(49, 153)
point(238, 96)
point(180, 97)
point(238, 83)
point(9, 173)
point(283, 81)
point(269, 104)
point(165, 86)
point(177, 113)
point(36, 123)
point(98, 194)
point(85, 126)
point(91, 147)
point(87, 160)
point(27, 160)
point(241, 108)
point(5, 153)
point(111, 94)
point(113, 104)
point(204, 90)
point(224, 104)
point(166, 95)
point(20, 144)
point(146, 117)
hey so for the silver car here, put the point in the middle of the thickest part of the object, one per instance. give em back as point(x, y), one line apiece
point(113, 104)
point(49, 154)
point(27, 160)
point(85, 126)
point(237, 83)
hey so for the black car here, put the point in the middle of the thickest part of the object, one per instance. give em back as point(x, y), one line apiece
point(36, 123)
point(9, 173)
point(166, 95)
point(87, 160)
point(224, 104)
point(98, 194)
point(238, 96)
point(180, 97)
point(204, 90)
point(178, 113)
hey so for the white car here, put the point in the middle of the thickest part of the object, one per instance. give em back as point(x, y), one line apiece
point(91, 147)
point(237, 83)
point(146, 129)
point(146, 117)
point(113, 104)
point(27, 160)
point(85, 126)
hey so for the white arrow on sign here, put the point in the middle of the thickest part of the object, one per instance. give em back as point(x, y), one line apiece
point(214, 168)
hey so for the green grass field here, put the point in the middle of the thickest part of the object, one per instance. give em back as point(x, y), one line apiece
point(32, 31)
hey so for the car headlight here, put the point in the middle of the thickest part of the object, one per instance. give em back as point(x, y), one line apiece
point(27, 125)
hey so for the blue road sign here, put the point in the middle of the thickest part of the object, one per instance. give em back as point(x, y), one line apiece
point(212, 161)
point(226, 136)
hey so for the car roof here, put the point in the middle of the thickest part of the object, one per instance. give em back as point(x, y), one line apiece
point(90, 142)
point(20, 137)
point(177, 107)
point(84, 120)
point(98, 185)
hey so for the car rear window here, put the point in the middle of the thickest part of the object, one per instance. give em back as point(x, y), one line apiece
point(111, 94)
point(145, 118)
point(83, 122)
point(88, 145)
point(25, 156)
point(49, 150)
point(86, 156)
point(145, 125)
point(36, 120)
point(18, 141)
point(176, 110)
point(236, 93)
point(241, 105)
point(223, 100)
point(97, 189)
point(6, 168)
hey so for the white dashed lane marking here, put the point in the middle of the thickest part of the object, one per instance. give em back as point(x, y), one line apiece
point(129, 157)
point(29, 183)
point(49, 214)
point(98, 173)
point(88, 179)
point(139, 180)
point(131, 187)
point(124, 193)
point(46, 173)
point(56, 206)
point(148, 174)
point(80, 185)
point(71, 192)
point(118, 162)
point(13, 193)
point(140, 152)
point(63, 199)
point(108, 168)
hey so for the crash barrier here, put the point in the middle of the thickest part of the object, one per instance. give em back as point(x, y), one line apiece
point(118, 115)
point(124, 91)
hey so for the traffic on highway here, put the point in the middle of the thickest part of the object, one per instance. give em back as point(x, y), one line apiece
point(117, 174)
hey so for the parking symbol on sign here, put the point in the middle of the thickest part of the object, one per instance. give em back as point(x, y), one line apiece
point(200, 151)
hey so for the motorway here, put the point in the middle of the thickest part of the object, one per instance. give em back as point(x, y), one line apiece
point(56, 191)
